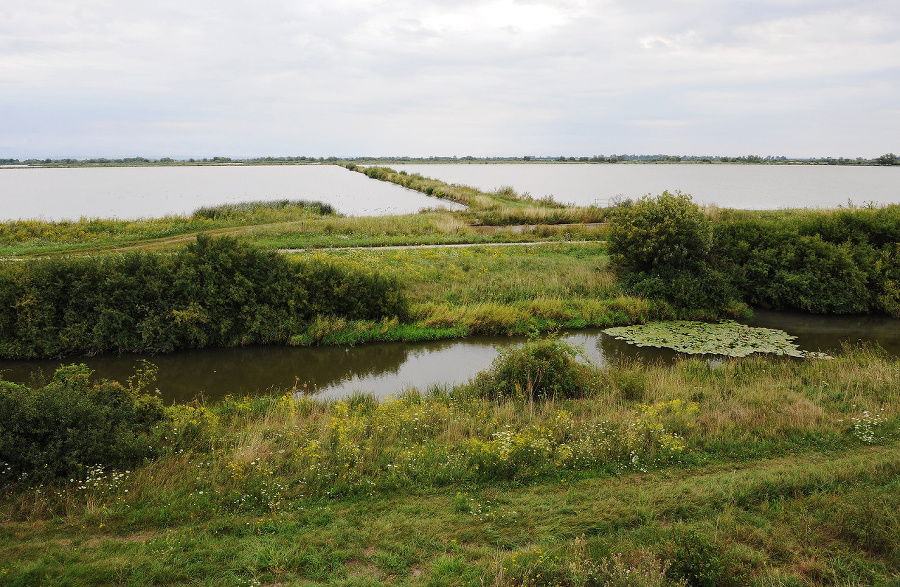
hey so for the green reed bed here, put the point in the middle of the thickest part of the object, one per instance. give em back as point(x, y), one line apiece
point(492, 290)
point(30, 237)
point(759, 471)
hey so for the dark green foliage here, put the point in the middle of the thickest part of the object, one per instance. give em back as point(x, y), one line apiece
point(706, 288)
point(215, 292)
point(333, 291)
point(668, 232)
point(61, 429)
point(840, 262)
point(837, 263)
point(888, 159)
point(539, 369)
point(661, 247)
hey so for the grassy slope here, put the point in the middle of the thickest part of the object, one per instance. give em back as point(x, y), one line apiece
point(504, 290)
point(772, 483)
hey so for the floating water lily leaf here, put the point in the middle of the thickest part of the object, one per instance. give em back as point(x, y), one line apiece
point(724, 338)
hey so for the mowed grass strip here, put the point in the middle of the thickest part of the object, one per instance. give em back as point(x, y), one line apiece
point(793, 517)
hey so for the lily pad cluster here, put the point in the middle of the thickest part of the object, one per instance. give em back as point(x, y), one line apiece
point(723, 338)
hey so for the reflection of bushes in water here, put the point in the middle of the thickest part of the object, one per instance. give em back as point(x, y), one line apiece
point(215, 292)
point(334, 365)
point(620, 353)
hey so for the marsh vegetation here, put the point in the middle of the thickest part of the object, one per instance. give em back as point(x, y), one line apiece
point(541, 470)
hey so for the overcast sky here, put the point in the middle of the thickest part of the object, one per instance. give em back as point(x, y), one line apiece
point(183, 78)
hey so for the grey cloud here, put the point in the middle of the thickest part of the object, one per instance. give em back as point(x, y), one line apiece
point(465, 76)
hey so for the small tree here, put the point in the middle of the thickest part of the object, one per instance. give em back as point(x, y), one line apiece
point(659, 235)
point(888, 159)
point(660, 247)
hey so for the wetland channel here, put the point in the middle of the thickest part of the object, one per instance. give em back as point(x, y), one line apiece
point(385, 368)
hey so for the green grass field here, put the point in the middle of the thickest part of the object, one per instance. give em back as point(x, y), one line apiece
point(762, 471)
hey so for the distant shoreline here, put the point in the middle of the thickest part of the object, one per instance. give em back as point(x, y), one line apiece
point(595, 160)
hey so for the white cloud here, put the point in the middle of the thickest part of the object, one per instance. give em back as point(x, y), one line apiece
point(458, 76)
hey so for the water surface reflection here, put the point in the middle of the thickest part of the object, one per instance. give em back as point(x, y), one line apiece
point(386, 368)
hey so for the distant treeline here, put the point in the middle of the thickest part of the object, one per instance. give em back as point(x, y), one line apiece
point(828, 262)
point(215, 292)
point(886, 159)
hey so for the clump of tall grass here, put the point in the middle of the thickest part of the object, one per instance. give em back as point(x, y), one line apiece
point(264, 210)
point(540, 369)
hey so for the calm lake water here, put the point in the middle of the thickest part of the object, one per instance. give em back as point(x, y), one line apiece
point(386, 368)
point(763, 187)
point(145, 192)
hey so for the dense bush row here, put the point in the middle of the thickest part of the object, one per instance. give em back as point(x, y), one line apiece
point(215, 292)
point(841, 262)
point(830, 262)
point(62, 429)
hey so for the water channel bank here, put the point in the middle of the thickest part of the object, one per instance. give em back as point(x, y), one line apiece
point(385, 368)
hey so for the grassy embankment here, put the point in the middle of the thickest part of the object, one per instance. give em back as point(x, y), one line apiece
point(492, 290)
point(761, 471)
point(298, 224)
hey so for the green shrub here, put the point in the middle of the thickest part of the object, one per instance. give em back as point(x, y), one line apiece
point(706, 288)
point(539, 369)
point(661, 248)
point(214, 292)
point(666, 233)
point(60, 430)
point(840, 262)
point(823, 262)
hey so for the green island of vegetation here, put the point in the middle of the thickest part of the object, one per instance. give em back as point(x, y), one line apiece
point(541, 470)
